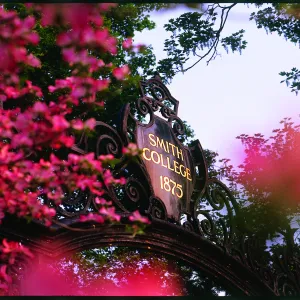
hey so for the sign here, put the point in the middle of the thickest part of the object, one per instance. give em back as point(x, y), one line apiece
point(169, 164)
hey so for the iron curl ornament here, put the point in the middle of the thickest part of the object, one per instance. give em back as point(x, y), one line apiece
point(193, 217)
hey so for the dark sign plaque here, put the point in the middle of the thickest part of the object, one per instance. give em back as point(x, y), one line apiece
point(175, 175)
point(169, 165)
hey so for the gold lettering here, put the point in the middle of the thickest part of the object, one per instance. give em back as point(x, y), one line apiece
point(158, 157)
point(160, 143)
point(167, 144)
point(151, 138)
point(165, 185)
point(176, 167)
point(168, 160)
point(165, 161)
point(188, 174)
point(144, 153)
point(179, 153)
point(172, 148)
point(183, 174)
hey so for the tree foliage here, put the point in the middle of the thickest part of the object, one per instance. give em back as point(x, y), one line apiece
point(113, 271)
point(197, 34)
point(268, 182)
point(283, 19)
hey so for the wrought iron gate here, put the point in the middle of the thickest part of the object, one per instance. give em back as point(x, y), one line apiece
point(195, 223)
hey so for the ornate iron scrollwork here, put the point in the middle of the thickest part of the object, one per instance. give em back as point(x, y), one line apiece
point(216, 216)
point(201, 205)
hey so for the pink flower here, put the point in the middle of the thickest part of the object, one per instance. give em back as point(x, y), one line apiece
point(73, 158)
point(77, 14)
point(85, 183)
point(90, 124)
point(121, 180)
point(3, 98)
point(48, 14)
point(59, 123)
point(136, 217)
point(108, 178)
point(102, 201)
point(78, 92)
point(131, 149)
point(54, 160)
point(49, 212)
point(106, 157)
point(92, 217)
point(110, 213)
point(11, 92)
point(28, 23)
point(127, 44)
point(21, 140)
point(64, 39)
point(40, 107)
point(10, 247)
point(69, 54)
point(4, 275)
point(97, 20)
point(33, 61)
point(66, 140)
point(33, 38)
point(100, 63)
point(77, 124)
point(121, 73)
point(101, 85)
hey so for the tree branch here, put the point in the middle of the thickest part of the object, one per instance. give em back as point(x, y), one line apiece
point(217, 39)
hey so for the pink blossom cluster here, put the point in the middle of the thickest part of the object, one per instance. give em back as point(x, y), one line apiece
point(38, 126)
point(89, 37)
point(106, 213)
point(131, 150)
point(15, 35)
point(43, 126)
point(79, 89)
point(25, 133)
point(9, 252)
point(76, 45)
point(75, 15)
point(136, 217)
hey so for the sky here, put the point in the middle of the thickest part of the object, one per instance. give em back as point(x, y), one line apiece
point(235, 93)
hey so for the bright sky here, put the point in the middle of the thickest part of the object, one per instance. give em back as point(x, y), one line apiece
point(235, 93)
